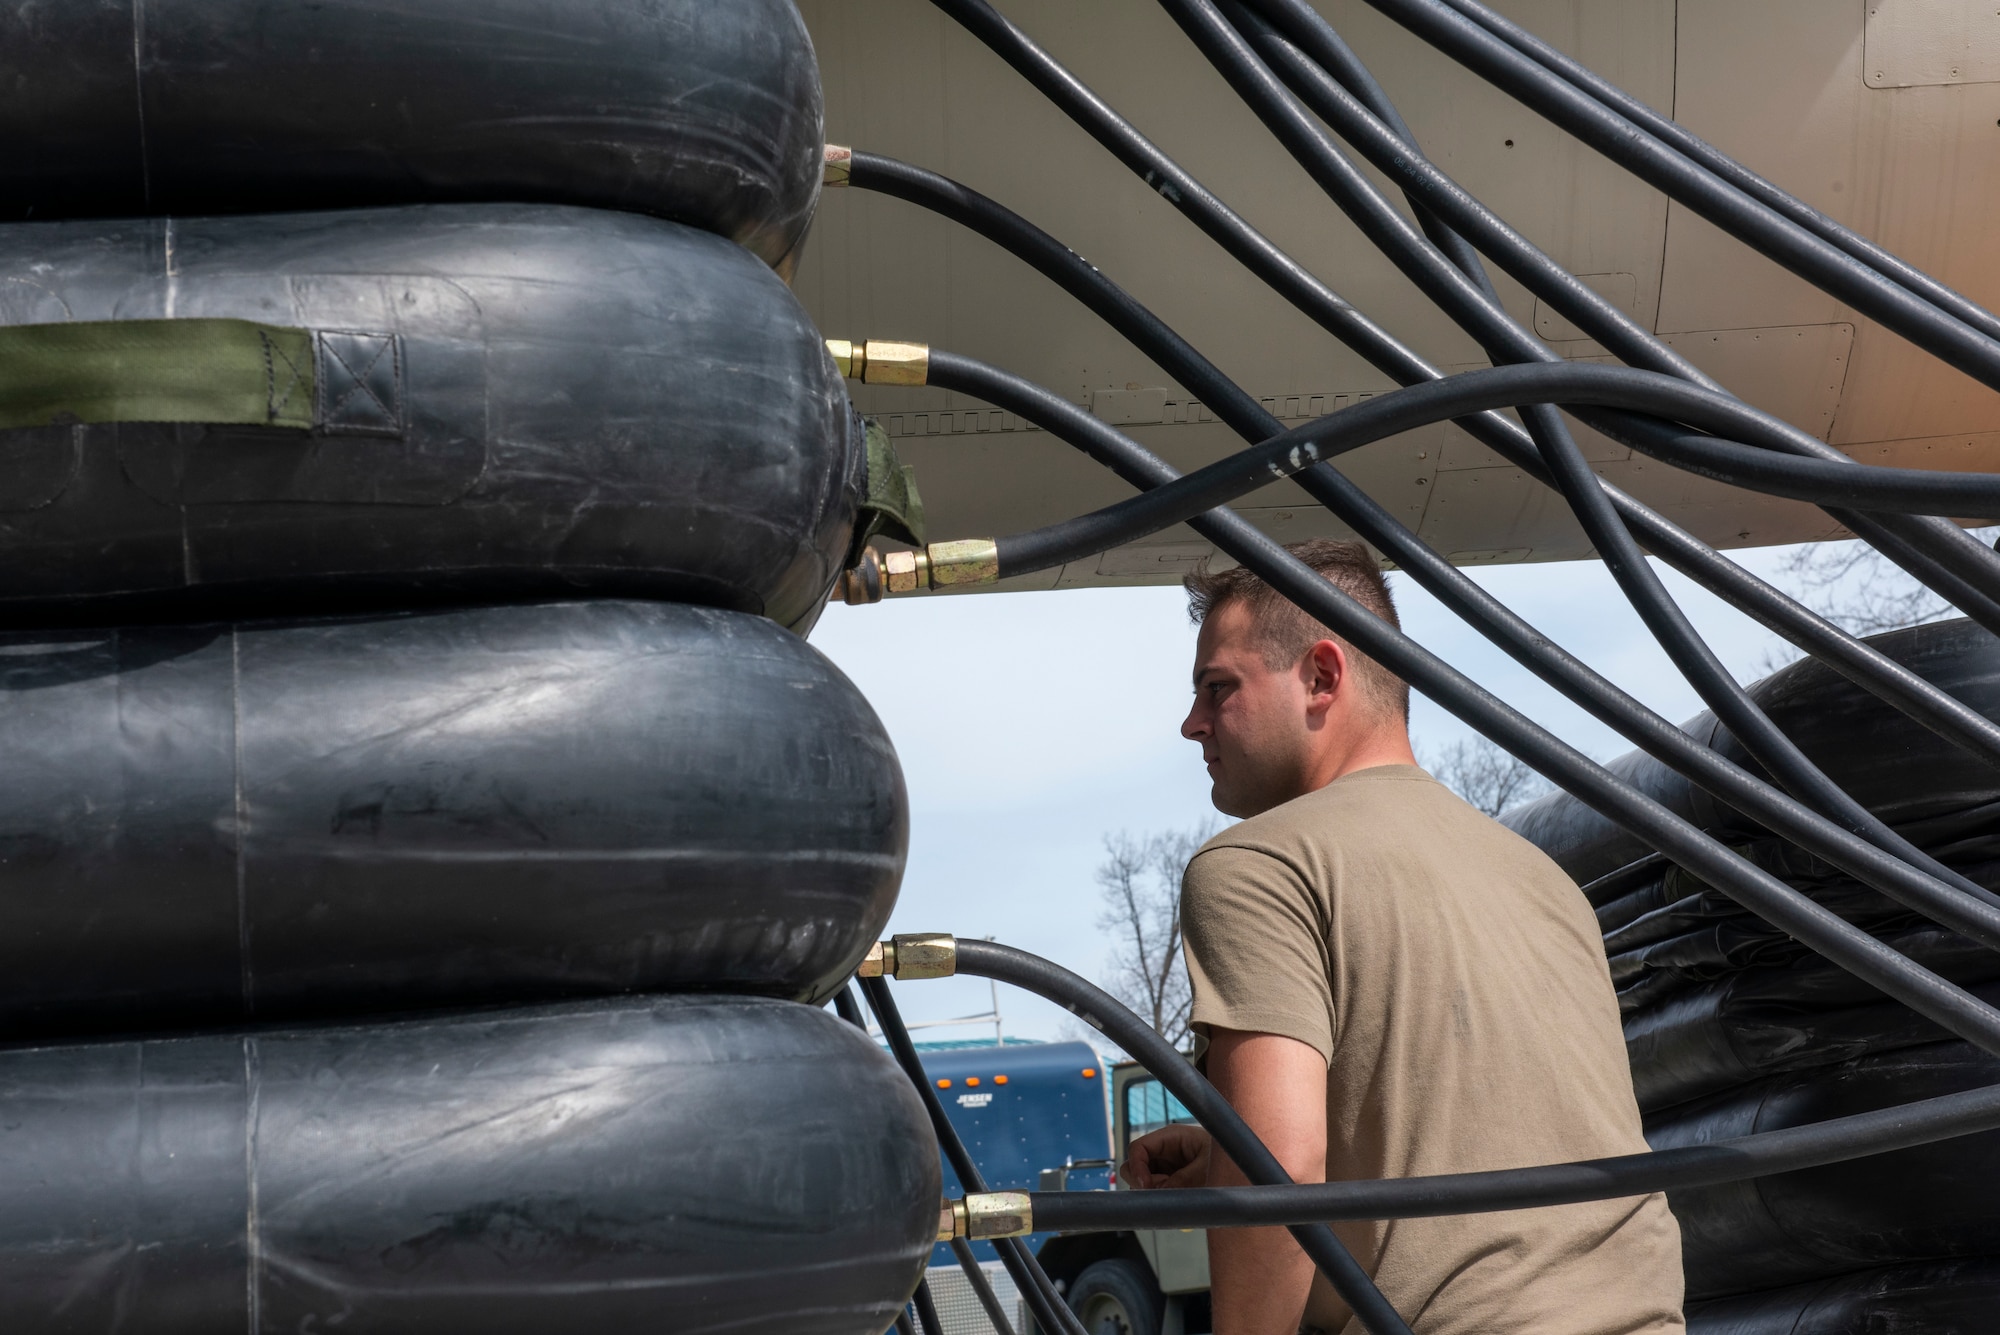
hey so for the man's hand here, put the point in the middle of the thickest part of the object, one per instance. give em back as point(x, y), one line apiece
point(1173, 1156)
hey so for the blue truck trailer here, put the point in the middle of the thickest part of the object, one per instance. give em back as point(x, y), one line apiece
point(1056, 1117)
point(1024, 1110)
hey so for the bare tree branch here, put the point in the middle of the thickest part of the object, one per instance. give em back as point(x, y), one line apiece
point(1858, 589)
point(1141, 884)
point(1484, 775)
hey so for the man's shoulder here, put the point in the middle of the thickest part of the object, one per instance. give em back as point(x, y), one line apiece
point(1391, 812)
point(1365, 804)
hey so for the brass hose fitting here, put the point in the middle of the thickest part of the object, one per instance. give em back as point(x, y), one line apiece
point(989, 1214)
point(839, 166)
point(879, 361)
point(863, 584)
point(966, 561)
point(911, 955)
point(938, 566)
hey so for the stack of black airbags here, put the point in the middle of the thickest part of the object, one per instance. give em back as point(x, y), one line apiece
point(425, 838)
point(1733, 1028)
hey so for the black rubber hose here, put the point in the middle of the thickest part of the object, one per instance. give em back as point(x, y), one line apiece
point(1838, 648)
point(1732, 172)
point(1296, 42)
point(1919, 559)
point(849, 1010)
point(1153, 336)
point(988, 959)
point(989, 1302)
point(1733, 1160)
point(927, 1313)
point(903, 1323)
point(1917, 319)
point(1846, 653)
point(1263, 1204)
point(1049, 1310)
point(1231, 54)
point(1330, 311)
point(1294, 451)
point(1809, 923)
point(1332, 54)
point(1975, 916)
point(1293, 54)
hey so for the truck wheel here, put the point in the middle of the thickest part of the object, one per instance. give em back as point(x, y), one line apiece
point(1117, 1298)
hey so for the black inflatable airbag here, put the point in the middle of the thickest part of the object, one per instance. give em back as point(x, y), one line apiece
point(668, 1166)
point(1928, 1203)
point(576, 402)
point(1905, 774)
point(199, 824)
point(1950, 1298)
point(704, 111)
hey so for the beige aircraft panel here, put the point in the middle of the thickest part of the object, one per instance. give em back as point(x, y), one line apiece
point(1778, 82)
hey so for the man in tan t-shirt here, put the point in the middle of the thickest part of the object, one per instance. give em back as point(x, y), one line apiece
point(1387, 983)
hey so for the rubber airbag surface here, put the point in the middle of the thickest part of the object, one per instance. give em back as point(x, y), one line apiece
point(204, 823)
point(671, 1166)
point(1927, 1203)
point(704, 111)
point(1790, 1017)
point(1951, 1298)
point(522, 401)
point(1892, 765)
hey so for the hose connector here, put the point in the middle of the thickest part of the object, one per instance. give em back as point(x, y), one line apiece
point(878, 361)
point(839, 166)
point(942, 565)
point(863, 584)
point(988, 1214)
point(911, 956)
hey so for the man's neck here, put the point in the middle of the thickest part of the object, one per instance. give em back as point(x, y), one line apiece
point(1383, 746)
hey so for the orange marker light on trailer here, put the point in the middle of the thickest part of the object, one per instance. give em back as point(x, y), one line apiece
point(944, 1084)
point(999, 1079)
point(972, 1082)
point(1090, 1073)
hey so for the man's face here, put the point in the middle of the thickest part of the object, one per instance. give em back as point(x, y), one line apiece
point(1253, 721)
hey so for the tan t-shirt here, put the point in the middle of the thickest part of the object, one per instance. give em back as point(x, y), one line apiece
point(1455, 981)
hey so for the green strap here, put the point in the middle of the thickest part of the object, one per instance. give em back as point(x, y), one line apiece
point(892, 505)
point(221, 372)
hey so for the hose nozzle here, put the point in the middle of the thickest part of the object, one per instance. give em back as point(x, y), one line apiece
point(911, 956)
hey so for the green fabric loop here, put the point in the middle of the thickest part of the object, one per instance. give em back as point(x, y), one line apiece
point(892, 505)
point(220, 372)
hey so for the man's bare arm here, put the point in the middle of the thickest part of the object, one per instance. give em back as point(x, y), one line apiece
point(1258, 1277)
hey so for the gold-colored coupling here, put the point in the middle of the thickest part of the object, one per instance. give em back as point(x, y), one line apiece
point(910, 956)
point(941, 565)
point(839, 166)
point(863, 584)
point(878, 361)
point(991, 1214)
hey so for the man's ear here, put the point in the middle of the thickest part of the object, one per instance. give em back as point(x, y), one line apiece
point(1325, 665)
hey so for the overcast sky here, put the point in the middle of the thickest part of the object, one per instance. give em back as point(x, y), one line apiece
point(1032, 725)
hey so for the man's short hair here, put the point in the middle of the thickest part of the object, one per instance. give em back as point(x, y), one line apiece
point(1285, 632)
